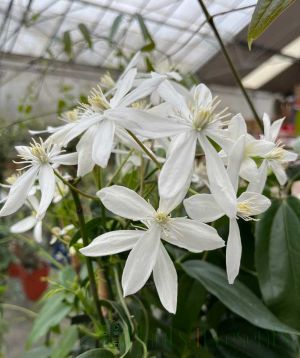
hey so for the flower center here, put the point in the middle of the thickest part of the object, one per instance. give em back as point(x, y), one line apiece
point(106, 81)
point(39, 151)
point(97, 100)
point(71, 116)
point(202, 117)
point(161, 217)
point(276, 153)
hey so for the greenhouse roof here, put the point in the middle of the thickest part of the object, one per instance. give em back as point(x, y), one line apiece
point(50, 29)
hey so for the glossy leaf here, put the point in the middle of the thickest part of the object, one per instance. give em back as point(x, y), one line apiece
point(278, 259)
point(238, 298)
point(97, 353)
point(266, 11)
point(86, 34)
point(237, 338)
point(51, 314)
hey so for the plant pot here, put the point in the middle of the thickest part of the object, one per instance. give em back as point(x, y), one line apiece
point(33, 283)
point(14, 269)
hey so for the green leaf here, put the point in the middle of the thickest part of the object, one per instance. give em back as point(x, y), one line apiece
point(67, 41)
point(278, 259)
point(51, 314)
point(86, 34)
point(66, 343)
point(266, 11)
point(37, 352)
point(93, 229)
point(114, 28)
point(97, 353)
point(238, 298)
point(150, 44)
point(237, 338)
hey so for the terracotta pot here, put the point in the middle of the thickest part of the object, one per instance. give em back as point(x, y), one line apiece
point(14, 269)
point(33, 283)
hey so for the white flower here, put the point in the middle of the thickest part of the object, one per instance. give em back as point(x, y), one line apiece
point(205, 207)
point(102, 119)
point(254, 148)
point(31, 221)
point(274, 159)
point(147, 252)
point(196, 118)
point(40, 160)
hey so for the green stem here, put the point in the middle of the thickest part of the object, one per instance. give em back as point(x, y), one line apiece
point(74, 189)
point(118, 171)
point(141, 176)
point(81, 221)
point(24, 310)
point(210, 20)
point(121, 298)
point(145, 149)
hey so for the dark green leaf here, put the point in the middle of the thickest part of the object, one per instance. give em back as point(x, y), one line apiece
point(93, 229)
point(67, 41)
point(266, 11)
point(278, 259)
point(150, 44)
point(115, 26)
point(51, 314)
point(237, 338)
point(238, 298)
point(97, 353)
point(86, 34)
point(66, 343)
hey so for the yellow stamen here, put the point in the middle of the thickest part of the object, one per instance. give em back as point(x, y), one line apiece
point(162, 218)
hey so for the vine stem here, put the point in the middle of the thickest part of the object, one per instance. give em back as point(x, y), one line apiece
point(118, 171)
point(210, 20)
point(145, 149)
point(81, 221)
point(73, 188)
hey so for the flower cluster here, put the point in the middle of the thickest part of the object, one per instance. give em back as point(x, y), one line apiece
point(143, 112)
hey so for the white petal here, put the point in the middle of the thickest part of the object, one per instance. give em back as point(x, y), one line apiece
point(202, 95)
point(23, 225)
point(84, 148)
point(47, 186)
point(258, 147)
point(257, 185)
point(143, 90)
point(203, 207)
point(167, 91)
point(176, 174)
point(33, 201)
point(249, 170)
point(233, 251)
point(37, 232)
point(257, 202)
point(267, 127)
point(58, 137)
point(165, 279)
point(147, 124)
point(126, 203)
point(192, 235)
point(279, 171)
point(275, 129)
point(219, 181)
point(103, 142)
point(141, 260)
point(112, 243)
point(237, 126)
point(235, 159)
point(123, 87)
point(65, 159)
point(19, 191)
point(289, 156)
point(81, 126)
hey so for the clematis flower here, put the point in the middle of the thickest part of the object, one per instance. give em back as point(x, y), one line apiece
point(148, 254)
point(205, 207)
point(40, 160)
point(275, 159)
point(196, 120)
point(102, 119)
point(31, 221)
point(254, 148)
